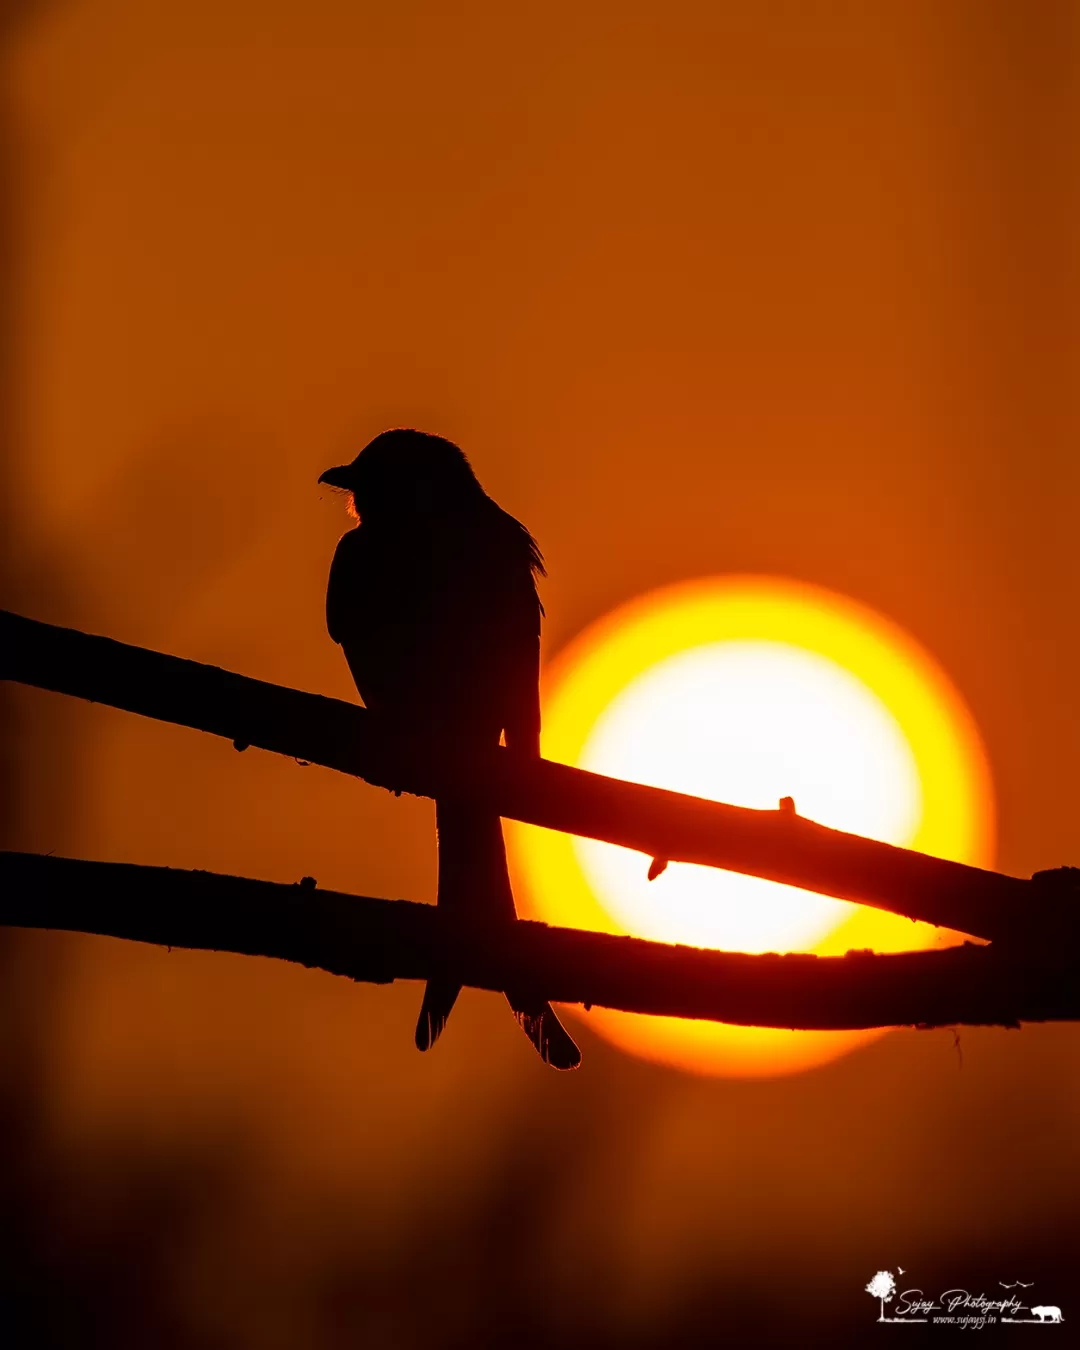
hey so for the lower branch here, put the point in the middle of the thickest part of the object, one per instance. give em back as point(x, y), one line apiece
point(385, 940)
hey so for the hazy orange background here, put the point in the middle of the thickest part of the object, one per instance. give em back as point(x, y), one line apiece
point(760, 287)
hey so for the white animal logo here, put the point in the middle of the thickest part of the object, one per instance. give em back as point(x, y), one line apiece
point(1047, 1314)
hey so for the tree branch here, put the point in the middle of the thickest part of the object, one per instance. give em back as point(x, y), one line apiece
point(385, 940)
point(777, 845)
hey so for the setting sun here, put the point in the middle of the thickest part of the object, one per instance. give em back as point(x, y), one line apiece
point(747, 690)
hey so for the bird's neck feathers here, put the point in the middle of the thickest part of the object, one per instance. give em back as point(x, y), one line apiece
point(474, 521)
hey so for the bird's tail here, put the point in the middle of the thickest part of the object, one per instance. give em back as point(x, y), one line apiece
point(474, 883)
point(439, 999)
point(552, 1041)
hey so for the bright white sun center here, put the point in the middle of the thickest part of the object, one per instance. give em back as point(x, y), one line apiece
point(747, 723)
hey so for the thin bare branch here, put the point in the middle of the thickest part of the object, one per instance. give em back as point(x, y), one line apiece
point(385, 940)
point(778, 845)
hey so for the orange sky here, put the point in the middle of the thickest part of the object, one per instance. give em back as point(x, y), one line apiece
point(776, 288)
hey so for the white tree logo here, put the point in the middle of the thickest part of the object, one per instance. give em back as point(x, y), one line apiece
point(882, 1286)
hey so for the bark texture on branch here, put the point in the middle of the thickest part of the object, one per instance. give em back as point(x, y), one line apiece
point(778, 845)
point(385, 940)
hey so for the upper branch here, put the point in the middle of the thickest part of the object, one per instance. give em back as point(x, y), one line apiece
point(773, 844)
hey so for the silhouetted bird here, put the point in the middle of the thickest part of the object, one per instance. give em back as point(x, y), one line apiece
point(433, 600)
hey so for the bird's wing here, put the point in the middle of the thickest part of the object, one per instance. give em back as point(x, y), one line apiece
point(519, 637)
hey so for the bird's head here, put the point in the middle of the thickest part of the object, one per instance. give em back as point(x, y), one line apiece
point(405, 475)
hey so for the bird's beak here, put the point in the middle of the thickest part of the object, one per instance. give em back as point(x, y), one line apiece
point(339, 477)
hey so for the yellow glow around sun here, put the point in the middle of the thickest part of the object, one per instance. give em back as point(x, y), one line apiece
point(747, 690)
